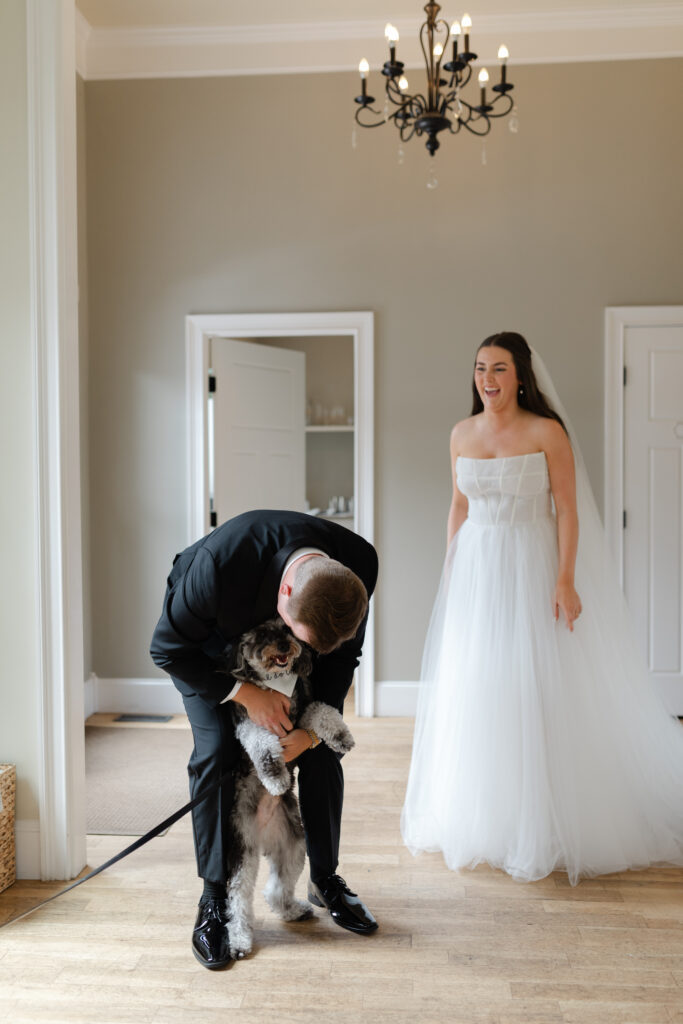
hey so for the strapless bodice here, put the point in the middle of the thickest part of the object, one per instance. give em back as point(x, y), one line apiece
point(506, 490)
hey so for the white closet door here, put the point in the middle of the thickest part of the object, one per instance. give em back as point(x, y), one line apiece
point(259, 439)
point(653, 499)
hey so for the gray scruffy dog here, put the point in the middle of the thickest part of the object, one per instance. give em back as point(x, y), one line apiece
point(265, 816)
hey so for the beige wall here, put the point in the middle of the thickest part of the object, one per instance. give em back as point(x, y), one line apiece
point(19, 732)
point(241, 195)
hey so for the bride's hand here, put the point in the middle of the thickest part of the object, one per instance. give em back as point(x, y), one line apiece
point(566, 599)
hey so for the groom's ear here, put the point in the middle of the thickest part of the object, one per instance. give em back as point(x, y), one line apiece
point(285, 590)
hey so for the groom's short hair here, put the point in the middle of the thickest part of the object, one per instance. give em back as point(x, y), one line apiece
point(330, 600)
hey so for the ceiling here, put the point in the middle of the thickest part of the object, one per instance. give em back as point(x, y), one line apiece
point(169, 38)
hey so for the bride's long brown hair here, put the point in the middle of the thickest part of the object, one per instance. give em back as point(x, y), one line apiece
point(529, 396)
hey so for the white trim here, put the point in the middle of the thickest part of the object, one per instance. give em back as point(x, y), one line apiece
point(83, 32)
point(54, 334)
point(617, 319)
point(396, 699)
point(646, 31)
point(360, 326)
point(136, 697)
point(614, 436)
point(27, 847)
point(90, 697)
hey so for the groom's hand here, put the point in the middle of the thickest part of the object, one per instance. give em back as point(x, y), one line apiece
point(266, 708)
point(295, 743)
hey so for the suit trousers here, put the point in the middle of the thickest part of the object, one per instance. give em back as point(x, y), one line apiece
point(216, 750)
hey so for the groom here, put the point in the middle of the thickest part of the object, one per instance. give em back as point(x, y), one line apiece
point(318, 577)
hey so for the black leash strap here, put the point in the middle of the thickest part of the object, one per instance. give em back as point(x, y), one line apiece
point(153, 832)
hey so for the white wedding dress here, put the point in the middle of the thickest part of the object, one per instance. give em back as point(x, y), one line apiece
point(536, 748)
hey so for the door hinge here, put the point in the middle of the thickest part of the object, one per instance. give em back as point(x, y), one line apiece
point(625, 375)
point(213, 518)
point(212, 383)
point(624, 520)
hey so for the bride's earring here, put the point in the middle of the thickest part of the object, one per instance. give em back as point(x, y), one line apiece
point(521, 390)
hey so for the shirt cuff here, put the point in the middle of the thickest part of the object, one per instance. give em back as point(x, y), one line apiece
point(235, 690)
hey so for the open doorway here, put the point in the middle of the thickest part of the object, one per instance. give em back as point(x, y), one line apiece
point(333, 420)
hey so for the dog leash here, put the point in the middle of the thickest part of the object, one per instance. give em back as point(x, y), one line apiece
point(153, 832)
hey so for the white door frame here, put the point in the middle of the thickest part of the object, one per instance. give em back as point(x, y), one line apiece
point(360, 327)
point(51, 82)
point(617, 319)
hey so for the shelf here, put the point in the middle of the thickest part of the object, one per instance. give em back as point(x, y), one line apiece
point(334, 515)
point(330, 429)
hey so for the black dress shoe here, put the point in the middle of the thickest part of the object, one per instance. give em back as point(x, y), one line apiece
point(210, 942)
point(344, 906)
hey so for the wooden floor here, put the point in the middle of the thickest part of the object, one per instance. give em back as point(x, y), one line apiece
point(476, 947)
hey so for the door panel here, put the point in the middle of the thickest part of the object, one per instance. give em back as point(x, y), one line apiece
point(259, 441)
point(653, 482)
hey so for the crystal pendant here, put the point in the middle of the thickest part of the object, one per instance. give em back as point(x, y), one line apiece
point(401, 155)
point(432, 181)
point(513, 123)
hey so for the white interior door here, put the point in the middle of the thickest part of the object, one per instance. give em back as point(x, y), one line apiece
point(259, 439)
point(653, 498)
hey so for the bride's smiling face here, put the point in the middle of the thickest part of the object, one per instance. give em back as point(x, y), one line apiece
point(495, 377)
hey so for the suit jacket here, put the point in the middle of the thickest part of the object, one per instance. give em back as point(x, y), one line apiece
point(228, 582)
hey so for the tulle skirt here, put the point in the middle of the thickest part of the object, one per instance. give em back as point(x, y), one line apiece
point(536, 748)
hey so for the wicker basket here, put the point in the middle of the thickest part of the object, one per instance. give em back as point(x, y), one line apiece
point(8, 780)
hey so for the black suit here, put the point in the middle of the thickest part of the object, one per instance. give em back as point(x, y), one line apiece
point(218, 588)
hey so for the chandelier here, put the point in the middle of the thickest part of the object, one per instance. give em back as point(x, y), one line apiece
point(443, 107)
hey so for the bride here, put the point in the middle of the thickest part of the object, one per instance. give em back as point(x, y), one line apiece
point(539, 744)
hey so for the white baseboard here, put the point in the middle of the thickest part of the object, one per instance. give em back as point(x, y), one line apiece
point(396, 699)
point(160, 697)
point(27, 847)
point(132, 696)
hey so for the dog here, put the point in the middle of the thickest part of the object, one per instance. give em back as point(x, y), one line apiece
point(265, 816)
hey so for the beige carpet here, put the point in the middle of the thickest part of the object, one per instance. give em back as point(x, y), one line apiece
point(135, 777)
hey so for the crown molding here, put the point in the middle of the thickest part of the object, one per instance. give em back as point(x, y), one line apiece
point(646, 31)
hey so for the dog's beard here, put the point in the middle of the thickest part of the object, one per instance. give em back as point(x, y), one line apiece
point(269, 658)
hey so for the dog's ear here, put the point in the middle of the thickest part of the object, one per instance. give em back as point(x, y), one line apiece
point(304, 663)
point(239, 671)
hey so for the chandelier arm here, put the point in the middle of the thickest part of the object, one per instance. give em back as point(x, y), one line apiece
point(508, 108)
point(369, 124)
point(486, 128)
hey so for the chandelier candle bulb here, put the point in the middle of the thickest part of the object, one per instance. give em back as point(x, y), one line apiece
point(503, 55)
point(392, 37)
point(438, 50)
point(455, 32)
point(466, 26)
point(403, 83)
point(364, 67)
point(483, 79)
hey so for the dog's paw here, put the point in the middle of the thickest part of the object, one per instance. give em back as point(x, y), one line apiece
point(240, 944)
point(276, 786)
point(275, 775)
point(297, 910)
point(341, 741)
